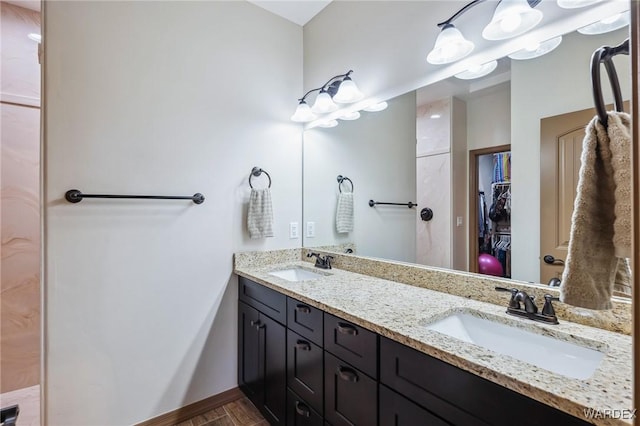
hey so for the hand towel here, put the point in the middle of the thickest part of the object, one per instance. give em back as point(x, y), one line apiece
point(260, 217)
point(601, 223)
point(344, 212)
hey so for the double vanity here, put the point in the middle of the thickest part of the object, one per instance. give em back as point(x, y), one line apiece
point(332, 346)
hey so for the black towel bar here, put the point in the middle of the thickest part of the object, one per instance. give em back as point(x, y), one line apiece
point(375, 203)
point(75, 196)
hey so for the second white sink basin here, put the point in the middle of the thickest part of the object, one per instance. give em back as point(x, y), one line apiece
point(296, 274)
point(558, 356)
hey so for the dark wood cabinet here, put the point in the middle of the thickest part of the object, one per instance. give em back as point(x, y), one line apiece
point(304, 370)
point(262, 362)
point(299, 413)
point(301, 366)
point(351, 397)
point(396, 410)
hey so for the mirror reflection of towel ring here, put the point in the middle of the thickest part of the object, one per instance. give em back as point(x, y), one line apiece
point(257, 171)
point(341, 180)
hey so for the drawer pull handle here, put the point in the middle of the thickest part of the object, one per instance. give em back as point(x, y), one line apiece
point(347, 329)
point(257, 324)
point(303, 309)
point(347, 374)
point(303, 345)
point(302, 409)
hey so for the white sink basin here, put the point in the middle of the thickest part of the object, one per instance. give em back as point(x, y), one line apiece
point(296, 274)
point(558, 356)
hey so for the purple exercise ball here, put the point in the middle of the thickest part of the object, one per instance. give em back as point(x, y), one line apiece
point(489, 265)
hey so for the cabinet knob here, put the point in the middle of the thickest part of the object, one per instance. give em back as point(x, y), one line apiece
point(347, 374)
point(347, 329)
point(302, 409)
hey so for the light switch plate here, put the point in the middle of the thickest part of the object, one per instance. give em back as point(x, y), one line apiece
point(459, 221)
point(311, 229)
point(294, 231)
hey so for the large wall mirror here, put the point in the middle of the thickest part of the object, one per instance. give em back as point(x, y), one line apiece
point(440, 145)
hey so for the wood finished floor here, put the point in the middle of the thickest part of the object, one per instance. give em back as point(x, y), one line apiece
point(237, 413)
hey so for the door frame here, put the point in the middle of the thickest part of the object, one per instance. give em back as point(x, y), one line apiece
point(473, 199)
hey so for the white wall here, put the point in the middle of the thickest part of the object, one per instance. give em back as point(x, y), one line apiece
point(564, 74)
point(157, 98)
point(489, 118)
point(377, 152)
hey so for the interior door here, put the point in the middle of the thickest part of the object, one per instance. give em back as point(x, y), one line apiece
point(561, 139)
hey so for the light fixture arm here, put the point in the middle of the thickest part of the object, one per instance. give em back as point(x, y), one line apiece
point(325, 88)
point(532, 3)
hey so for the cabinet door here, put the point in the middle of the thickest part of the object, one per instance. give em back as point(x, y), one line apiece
point(299, 413)
point(351, 397)
point(396, 410)
point(273, 355)
point(304, 370)
point(249, 364)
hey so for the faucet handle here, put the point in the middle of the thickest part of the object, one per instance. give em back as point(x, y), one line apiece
point(513, 303)
point(547, 309)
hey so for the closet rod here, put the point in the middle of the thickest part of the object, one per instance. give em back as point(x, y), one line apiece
point(75, 196)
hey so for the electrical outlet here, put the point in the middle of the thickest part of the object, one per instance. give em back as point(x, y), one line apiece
point(293, 230)
point(459, 221)
point(311, 229)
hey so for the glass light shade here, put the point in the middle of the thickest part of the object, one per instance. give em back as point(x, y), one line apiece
point(537, 49)
point(574, 4)
point(35, 37)
point(478, 71)
point(450, 46)
point(323, 103)
point(380, 106)
point(348, 92)
point(510, 19)
point(328, 123)
point(353, 115)
point(605, 25)
point(303, 113)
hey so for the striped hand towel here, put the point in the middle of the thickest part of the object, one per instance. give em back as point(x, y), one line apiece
point(260, 217)
point(344, 212)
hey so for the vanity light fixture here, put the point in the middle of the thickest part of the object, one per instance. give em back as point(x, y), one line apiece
point(477, 71)
point(352, 115)
point(380, 106)
point(328, 123)
point(340, 88)
point(533, 50)
point(510, 19)
point(608, 24)
point(450, 46)
point(574, 4)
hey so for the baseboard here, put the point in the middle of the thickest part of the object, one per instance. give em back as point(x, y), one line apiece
point(195, 409)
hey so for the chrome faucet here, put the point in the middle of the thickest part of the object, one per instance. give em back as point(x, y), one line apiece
point(530, 310)
point(321, 262)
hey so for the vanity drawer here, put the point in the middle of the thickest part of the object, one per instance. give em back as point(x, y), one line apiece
point(351, 343)
point(299, 413)
point(304, 369)
point(459, 397)
point(351, 397)
point(396, 410)
point(305, 320)
point(267, 301)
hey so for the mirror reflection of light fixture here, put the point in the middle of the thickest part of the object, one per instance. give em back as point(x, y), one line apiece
point(380, 106)
point(510, 19)
point(450, 46)
point(353, 115)
point(340, 88)
point(327, 124)
point(605, 25)
point(574, 4)
point(35, 37)
point(478, 71)
point(535, 49)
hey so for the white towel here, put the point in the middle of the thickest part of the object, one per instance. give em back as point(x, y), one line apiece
point(344, 212)
point(260, 217)
point(601, 223)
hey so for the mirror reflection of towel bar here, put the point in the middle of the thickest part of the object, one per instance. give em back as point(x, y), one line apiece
point(375, 203)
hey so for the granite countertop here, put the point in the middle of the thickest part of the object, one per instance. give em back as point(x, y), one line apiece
point(401, 311)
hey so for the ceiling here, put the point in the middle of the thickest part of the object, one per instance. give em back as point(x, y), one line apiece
point(27, 4)
point(296, 11)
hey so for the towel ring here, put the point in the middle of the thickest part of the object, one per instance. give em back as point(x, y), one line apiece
point(341, 180)
point(257, 171)
point(604, 56)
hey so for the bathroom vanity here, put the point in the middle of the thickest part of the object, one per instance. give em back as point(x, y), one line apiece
point(335, 347)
